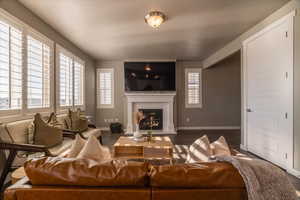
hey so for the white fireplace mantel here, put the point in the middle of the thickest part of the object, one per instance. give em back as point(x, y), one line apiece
point(163, 100)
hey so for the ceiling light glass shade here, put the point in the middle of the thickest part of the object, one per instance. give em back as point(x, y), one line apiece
point(155, 19)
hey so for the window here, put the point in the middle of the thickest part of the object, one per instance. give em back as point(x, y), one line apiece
point(38, 73)
point(65, 80)
point(105, 88)
point(71, 79)
point(193, 88)
point(10, 67)
point(78, 83)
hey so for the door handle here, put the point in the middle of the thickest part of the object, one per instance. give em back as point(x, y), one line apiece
point(249, 110)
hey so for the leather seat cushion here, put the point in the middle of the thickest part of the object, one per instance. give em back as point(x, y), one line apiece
point(197, 175)
point(85, 172)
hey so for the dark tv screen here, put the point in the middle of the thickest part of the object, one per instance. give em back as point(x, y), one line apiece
point(149, 76)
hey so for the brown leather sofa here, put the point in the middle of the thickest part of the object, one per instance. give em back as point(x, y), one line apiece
point(62, 179)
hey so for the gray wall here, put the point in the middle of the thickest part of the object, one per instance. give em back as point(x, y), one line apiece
point(297, 92)
point(18, 10)
point(221, 95)
point(236, 44)
point(118, 112)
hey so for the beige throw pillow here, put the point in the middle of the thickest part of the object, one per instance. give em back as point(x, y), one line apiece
point(93, 150)
point(76, 147)
point(220, 147)
point(45, 134)
point(199, 151)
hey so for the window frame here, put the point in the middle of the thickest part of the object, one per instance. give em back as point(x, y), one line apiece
point(187, 104)
point(63, 109)
point(105, 106)
point(24, 112)
point(80, 61)
point(38, 36)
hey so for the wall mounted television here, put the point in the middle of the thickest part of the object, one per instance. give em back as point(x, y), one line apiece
point(150, 76)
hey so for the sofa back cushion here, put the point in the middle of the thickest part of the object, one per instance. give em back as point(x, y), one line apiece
point(78, 120)
point(197, 175)
point(18, 130)
point(63, 121)
point(85, 172)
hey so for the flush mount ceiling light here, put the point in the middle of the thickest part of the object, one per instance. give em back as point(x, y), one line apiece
point(155, 18)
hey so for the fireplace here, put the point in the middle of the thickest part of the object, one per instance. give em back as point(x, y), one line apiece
point(152, 119)
point(163, 101)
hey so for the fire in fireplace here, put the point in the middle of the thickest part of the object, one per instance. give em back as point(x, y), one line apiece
point(152, 119)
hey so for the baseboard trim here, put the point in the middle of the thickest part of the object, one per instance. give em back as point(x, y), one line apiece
point(294, 172)
point(243, 147)
point(104, 128)
point(209, 128)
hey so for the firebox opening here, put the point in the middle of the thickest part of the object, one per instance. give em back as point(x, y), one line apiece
point(152, 119)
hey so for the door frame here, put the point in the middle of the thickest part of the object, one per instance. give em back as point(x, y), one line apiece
point(289, 18)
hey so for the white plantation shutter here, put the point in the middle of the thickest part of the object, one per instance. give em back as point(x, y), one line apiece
point(38, 74)
point(193, 88)
point(65, 80)
point(105, 88)
point(78, 83)
point(10, 67)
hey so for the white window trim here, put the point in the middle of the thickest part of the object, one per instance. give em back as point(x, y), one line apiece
point(24, 112)
point(195, 70)
point(77, 59)
point(105, 106)
point(63, 109)
point(50, 43)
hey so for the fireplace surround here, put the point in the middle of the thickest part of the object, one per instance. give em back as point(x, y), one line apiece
point(151, 101)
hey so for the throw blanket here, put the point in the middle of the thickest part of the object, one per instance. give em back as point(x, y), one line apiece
point(263, 180)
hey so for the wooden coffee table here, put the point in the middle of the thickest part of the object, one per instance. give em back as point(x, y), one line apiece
point(160, 148)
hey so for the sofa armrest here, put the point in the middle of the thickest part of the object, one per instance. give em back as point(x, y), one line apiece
point(25, 147)
point(70, 131)
point(69, 135)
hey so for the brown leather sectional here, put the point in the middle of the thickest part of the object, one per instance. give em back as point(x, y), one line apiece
point(74, 179)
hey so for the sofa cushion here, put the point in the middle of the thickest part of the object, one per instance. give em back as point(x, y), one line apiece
point(78, 121)
point(85, 172)
point(4, 134)
point(18, 130)
point(197, 175)
point(62, 120)
point(62, 147)
point(45, 134)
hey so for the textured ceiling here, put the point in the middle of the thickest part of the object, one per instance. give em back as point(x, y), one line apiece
point(115, 29)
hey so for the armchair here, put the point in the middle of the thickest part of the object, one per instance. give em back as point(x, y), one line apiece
point(14, 148)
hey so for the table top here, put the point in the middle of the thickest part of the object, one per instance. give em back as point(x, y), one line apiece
point(158, 142)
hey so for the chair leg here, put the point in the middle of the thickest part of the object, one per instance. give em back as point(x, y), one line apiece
point(7, 166)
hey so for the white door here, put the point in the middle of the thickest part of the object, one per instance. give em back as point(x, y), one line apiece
point(268, 59)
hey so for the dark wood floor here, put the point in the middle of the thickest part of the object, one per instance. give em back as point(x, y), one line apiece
point(186, 138)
